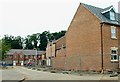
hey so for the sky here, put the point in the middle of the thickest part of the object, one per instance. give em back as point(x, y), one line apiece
point(26, 17)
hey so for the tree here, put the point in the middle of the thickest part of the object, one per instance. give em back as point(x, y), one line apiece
point(3, 49)
point(28, 43)
point(37, 41)
point(14, 42)
point(43, 40)
point(58, 35)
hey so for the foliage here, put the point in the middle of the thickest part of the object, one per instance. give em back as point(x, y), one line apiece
point(4, 47)
point(35, 41)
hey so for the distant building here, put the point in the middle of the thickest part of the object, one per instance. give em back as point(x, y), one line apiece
point(92, 41)
point(50, 52)
point(20, 57)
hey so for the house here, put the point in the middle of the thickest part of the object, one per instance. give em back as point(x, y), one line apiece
point(41, 58)
point(20, 57)
point(50, 53)
point(92, 41)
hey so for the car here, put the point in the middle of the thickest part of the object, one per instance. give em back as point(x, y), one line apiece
point(31, 64)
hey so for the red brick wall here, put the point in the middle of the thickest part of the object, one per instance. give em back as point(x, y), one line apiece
point(16, 57)
point(60, 41)
point(83, 41)
point(83, 44)
point(119, 40)
point(108, 43)
point(59, 60)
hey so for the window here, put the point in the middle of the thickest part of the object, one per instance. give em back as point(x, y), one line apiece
point(114, 56)
point(112, 16)
point(10, 56)
point(15, 56)
point(26, 56)
point(34, 56)
point(113, 32)
point(21, 56)
point(31, 56)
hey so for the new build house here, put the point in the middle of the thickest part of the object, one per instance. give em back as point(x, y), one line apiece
point(92, 41)
point(20, 57)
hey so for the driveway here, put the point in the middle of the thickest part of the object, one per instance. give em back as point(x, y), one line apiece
point(18, 73)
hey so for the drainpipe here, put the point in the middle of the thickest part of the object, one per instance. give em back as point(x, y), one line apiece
point(55, 49)
point(101, 28)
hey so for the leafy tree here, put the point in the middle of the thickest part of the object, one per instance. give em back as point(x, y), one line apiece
point(58, 35)
point(3, 49)
point(28, 43)
point(43, 40)
point(14, 42)
point(37, 41)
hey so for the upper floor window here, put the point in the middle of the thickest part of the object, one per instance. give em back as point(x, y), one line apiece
point(15, 56)
point(21, 56)
point(31, 56)
point(112, 16)
point(113, 32)
point(10, 56)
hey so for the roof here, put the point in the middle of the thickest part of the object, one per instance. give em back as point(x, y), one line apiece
point(25, 52)
point(60, 38)
point(98, 13)
point(41, 52)
point(108, 8)
point(118, 17)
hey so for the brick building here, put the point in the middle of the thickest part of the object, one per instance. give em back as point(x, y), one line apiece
point(92, 41)
point(21, 57)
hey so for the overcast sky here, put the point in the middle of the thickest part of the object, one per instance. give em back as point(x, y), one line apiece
point(25, 17)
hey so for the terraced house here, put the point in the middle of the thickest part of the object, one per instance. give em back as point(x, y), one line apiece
point(20, 57)
point(92, 41)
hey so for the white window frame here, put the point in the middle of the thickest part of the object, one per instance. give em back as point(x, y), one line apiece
point(113, 32)
point(116, 49)
point(21, 56)
point(112, 16)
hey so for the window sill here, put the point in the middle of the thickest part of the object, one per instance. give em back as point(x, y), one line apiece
point(114, 38)
point(114, 61)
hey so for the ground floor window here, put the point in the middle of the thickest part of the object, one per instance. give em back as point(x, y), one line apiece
point(114, 54)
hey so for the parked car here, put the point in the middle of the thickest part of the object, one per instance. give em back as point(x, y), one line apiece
point(31, 64)
point(3, 63)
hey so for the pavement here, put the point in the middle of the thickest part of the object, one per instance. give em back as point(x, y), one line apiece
point(18, 73)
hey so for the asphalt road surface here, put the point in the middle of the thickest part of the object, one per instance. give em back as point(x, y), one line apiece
point(18, 73)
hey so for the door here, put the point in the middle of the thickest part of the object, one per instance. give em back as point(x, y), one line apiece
point(21, 63)
point(14, 63)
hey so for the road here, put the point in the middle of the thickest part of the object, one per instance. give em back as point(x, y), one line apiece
point(18, 73)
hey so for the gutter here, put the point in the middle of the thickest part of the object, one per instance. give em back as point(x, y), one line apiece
point(110, 23)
